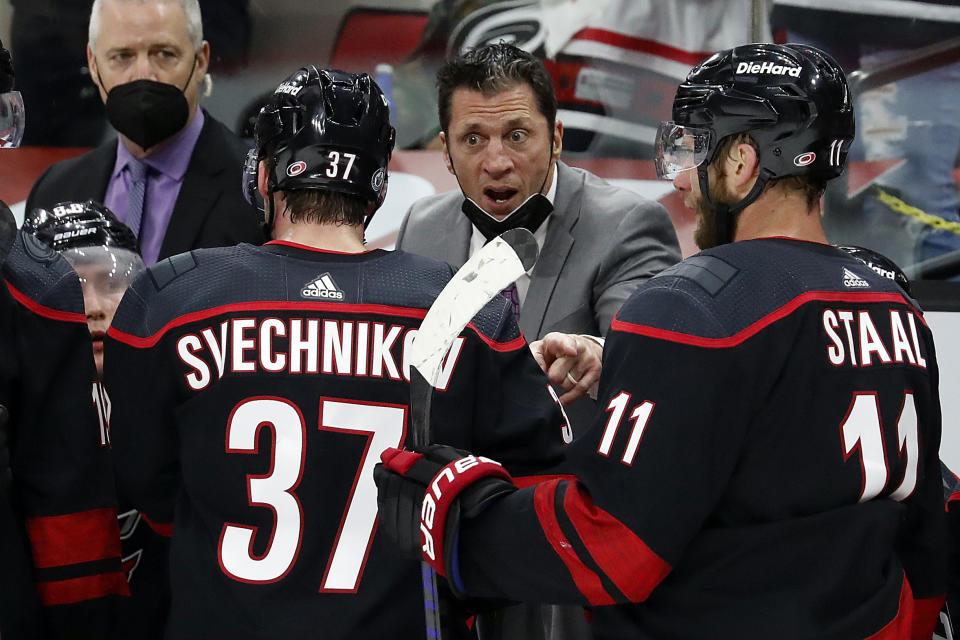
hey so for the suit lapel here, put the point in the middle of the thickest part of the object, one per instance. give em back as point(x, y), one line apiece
point(102, 161)
point(198, 194)
point(450, 240)
point(556, 249)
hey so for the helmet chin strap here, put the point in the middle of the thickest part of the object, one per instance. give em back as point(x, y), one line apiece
point(269, 210)
point(725, 214)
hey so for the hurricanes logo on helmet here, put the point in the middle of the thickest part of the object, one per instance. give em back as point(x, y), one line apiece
point(376, 182)
point(296, 168)
point(804, 159)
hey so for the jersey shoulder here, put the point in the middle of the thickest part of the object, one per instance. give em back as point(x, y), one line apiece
point(185, 283)
point(42, 280)
point(723, 291)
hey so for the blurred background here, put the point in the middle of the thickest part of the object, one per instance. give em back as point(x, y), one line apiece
point(615, 65)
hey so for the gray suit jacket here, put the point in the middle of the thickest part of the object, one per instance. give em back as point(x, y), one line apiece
point(602, 241)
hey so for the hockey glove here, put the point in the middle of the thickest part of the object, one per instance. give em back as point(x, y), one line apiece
point(424, 495)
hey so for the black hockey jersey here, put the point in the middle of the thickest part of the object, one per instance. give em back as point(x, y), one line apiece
point(765, 465)
point(253, 390)
point(62, 476)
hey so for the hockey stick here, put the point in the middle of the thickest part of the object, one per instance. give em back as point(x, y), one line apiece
point(499, 263)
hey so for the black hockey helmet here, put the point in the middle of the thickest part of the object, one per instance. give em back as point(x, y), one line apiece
point(326, 129)
point(791, 99)
point(880, 264)
point(70, 225)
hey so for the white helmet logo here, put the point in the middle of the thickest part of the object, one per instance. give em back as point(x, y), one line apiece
point(376, 182)
point(804, 159)
point(296, 168)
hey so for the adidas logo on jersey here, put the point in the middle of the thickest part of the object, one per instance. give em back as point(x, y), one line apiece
point(322, 287)
point(852, 280)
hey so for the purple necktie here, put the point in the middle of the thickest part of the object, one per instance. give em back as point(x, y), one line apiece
point(511, 294)
point(136, 195)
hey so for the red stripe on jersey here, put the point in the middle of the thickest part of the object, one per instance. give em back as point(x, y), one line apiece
point(46, 312)
point(954, 497)
point(517, 343)
point(165, 529)
point(642, 45)
point(79, 589)
point(73, 538)
point(756, 327)
point(618, 551)
point(307, 247)
point(286, 305)
point(899, 627)
point(587, 581)
point(926, 613)
point(523, 482)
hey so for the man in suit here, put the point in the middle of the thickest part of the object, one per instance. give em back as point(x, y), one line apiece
point(503, 144)
point(502, 141)
point(173, 174)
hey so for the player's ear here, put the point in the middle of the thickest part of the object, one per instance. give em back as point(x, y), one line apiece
point(743, 164)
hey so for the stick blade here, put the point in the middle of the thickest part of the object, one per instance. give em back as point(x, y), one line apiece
point(524, 245)
point(499, 263)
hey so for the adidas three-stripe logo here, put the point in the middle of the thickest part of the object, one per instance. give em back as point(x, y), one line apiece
point(850, 279)
point(322, 286)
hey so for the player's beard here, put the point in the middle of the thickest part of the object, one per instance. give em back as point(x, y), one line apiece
point(706, 233)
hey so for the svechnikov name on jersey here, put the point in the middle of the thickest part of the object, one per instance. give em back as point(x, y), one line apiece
point(309, 346)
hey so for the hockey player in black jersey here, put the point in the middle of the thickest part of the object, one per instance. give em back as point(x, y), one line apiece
point(103, 251)
point(59, 546)
point(254, 389)
point(766, 463)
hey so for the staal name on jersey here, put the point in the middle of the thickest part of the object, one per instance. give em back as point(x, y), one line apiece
point(863, 346)
point(302, 346)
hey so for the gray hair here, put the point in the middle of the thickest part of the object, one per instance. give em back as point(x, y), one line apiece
point(191, 9)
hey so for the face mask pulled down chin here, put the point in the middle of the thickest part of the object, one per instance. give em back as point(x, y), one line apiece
point(529, 215)
point(147, 112)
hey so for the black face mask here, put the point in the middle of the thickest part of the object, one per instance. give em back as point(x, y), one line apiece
point(529, 215)
point(146, 111)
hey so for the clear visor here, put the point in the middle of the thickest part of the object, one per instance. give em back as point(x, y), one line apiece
point(680, 148)
point(105, 271)
point(248, 183)
point(12, 119)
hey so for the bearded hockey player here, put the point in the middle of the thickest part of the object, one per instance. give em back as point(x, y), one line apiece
point(766, 466)
point(278, 374)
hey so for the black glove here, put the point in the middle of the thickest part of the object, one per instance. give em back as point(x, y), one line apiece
point(421, 521)
point(6, 70)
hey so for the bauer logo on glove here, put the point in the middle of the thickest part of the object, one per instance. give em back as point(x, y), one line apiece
point(424, 495)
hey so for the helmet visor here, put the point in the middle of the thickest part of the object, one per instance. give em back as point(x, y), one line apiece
point(679, 148)
point(105, 271)
point(12, 119)
point(248, 183)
